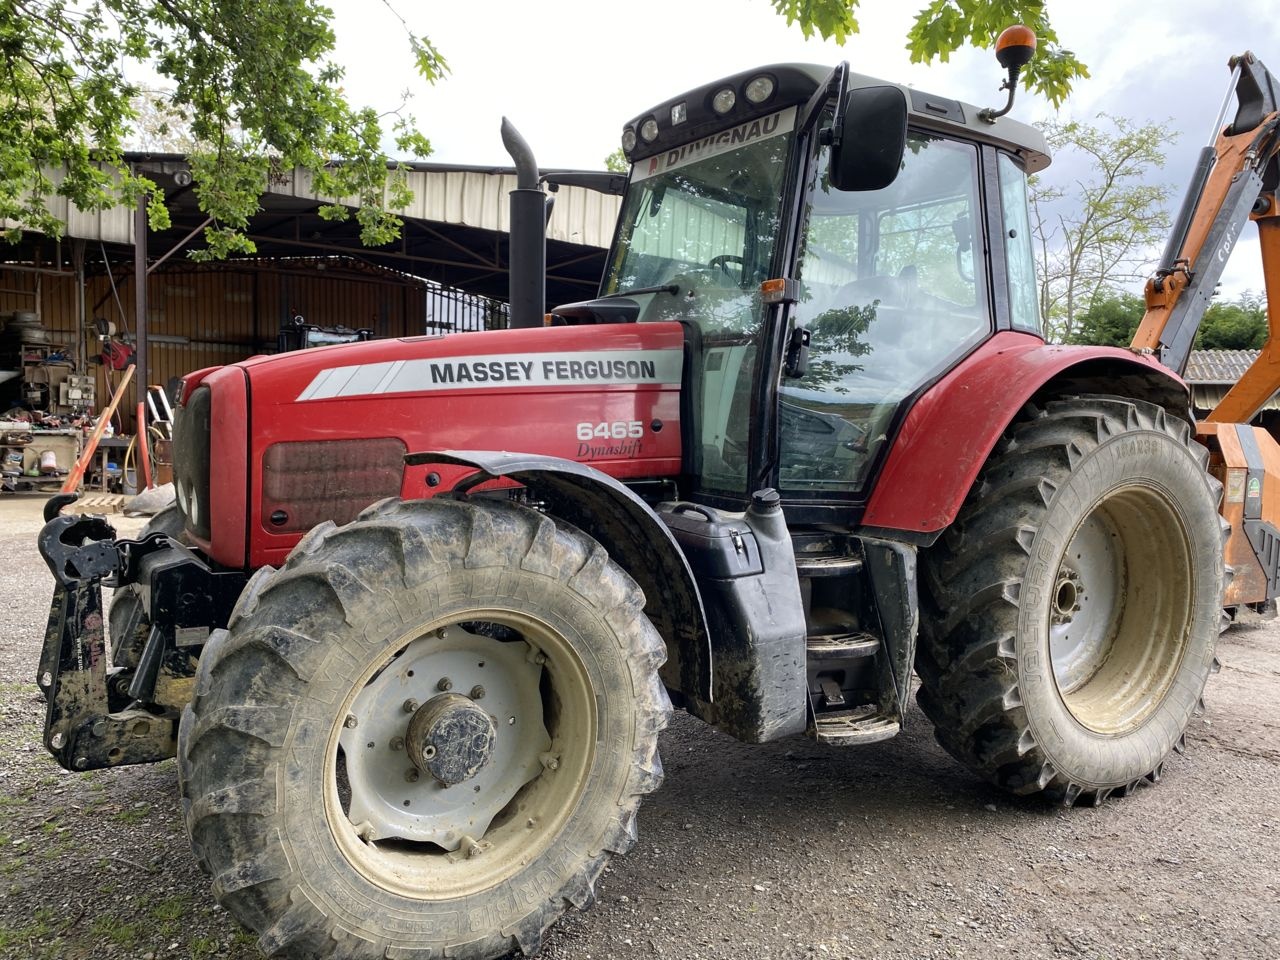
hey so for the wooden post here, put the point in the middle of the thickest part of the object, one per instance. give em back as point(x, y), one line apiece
point(77, 472)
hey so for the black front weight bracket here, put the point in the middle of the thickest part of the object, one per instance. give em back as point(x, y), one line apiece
point(81, 729)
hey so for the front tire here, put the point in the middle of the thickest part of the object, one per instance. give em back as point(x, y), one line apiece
point(1073, 607)
point(424, 736)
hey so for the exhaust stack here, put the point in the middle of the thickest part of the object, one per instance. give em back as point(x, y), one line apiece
point(527, 250)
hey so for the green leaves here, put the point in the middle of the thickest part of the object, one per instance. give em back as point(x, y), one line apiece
point(616, 162)
point(252, 87)
point(1117, 214)
point(1110, 321)
point(1236, 324)
point(251, 90)
point(944, 26)
point(830, 19)
point(1239, 324)
point(63, 105)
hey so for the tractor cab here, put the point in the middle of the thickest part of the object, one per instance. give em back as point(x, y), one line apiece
point(822, 237)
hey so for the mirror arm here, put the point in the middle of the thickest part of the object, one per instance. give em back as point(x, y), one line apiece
point(833, 86)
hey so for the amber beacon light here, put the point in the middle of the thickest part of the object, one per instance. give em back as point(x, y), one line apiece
point(1015, 47)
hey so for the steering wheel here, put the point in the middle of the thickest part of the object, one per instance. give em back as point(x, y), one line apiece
point(721, 260)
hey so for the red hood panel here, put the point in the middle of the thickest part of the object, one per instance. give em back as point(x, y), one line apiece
point(605, 395)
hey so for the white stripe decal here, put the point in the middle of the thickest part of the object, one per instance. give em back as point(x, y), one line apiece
point(315, 385)
point(388, 377)
point(579, 368)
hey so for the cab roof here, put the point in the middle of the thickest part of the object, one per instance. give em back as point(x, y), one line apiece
point(796, 83)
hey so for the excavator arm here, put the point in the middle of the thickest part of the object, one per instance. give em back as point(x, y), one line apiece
point(1261, 381)
point(1235, 181)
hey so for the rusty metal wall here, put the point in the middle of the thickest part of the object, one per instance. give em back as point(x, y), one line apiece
point(200, 317)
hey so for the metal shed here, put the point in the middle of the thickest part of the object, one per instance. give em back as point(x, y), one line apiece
point(1211, 373)
point(448, 270)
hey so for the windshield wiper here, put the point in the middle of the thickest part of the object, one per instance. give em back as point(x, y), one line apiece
point(670, 288)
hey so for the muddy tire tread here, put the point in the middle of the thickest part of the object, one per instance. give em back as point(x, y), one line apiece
point(228, 757)
point(970, 583)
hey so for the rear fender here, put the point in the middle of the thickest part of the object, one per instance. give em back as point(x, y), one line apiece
point(953, 427)
point(632, 533)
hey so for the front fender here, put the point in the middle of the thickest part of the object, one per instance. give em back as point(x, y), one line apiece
point(954, 425)
point(628, 528)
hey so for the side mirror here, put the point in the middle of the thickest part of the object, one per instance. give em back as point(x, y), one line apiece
point(868, 139)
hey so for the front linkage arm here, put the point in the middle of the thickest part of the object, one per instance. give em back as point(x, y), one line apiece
point(92, 720)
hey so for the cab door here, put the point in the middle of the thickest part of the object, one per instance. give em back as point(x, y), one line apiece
point(893, 290)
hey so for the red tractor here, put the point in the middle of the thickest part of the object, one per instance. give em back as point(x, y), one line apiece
point(424, 605)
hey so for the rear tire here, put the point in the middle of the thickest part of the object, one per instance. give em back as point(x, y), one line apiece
point(295, 733)
point(1072, 609)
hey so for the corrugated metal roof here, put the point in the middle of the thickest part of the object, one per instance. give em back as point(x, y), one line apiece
point(1211, 373)
point(113, 225)
point(468, 196)
point(1219, 366)
point(1208, 396)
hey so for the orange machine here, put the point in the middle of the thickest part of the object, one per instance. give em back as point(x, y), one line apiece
point(1235, 181)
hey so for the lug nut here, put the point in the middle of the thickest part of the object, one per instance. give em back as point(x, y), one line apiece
point(443, 633)
point(351, 722)
point(411, 775)
point(397, 743)
point(477, 692)
point(444, 684)
point(410, 705)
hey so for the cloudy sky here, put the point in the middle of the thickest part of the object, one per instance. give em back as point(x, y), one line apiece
point(569, 72)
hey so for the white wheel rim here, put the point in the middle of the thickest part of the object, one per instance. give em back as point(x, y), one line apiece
point(438, 850)
point(391, 796)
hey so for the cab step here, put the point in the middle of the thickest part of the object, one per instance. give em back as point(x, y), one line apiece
point(849, 728)
point(841, 645)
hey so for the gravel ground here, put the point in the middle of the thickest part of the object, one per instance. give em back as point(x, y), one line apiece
point(788, 850)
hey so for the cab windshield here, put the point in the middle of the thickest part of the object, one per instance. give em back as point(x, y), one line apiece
point(702, 220)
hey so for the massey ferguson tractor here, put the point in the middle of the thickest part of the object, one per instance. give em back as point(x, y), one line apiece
point(424, 605)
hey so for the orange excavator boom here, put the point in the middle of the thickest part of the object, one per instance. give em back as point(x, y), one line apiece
point(1235, 181)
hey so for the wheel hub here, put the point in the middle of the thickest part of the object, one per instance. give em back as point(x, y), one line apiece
point(427, 765)
point(451, 738)
point(1066, 595)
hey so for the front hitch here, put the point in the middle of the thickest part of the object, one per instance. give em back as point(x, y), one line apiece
point(79, 548)
point(89, 723)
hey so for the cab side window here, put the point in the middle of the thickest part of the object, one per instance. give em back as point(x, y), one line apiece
point(1024, 298)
